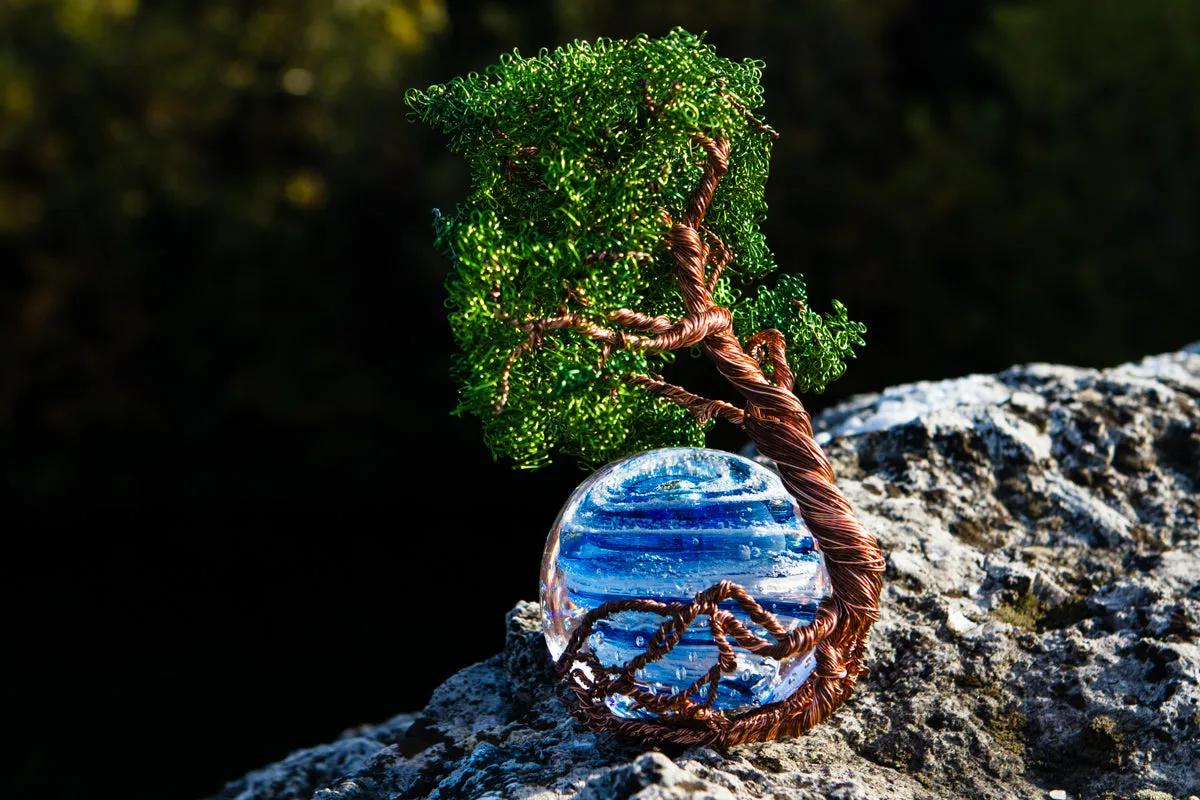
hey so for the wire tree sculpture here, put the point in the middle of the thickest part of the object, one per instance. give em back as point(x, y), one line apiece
point(614, 221)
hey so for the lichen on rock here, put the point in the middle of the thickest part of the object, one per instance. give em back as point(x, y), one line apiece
point(1040, 627)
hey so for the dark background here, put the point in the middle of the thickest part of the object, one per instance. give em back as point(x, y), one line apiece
point(230, 484)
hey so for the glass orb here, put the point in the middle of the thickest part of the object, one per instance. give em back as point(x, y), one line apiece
point(664, 525)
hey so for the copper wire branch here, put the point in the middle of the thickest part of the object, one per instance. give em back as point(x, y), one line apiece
point(754, 121)
point(687, 332)
point(719, 258)
point(769, 348)
point(779, 425)
point(701, 408)
point(777, 422)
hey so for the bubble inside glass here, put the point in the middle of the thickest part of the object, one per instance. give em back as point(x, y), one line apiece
point(666, 524)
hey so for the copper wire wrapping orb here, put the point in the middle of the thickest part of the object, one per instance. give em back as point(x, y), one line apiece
point(667, 525)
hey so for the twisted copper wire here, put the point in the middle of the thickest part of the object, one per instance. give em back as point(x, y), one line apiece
point(702, 408)
point(777, 422)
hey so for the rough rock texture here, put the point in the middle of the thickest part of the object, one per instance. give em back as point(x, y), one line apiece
point(1039, 633)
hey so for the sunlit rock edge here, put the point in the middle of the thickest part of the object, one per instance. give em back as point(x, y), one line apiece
point(1039, 629)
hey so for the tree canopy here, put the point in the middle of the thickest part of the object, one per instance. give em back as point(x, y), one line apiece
point(580, 159)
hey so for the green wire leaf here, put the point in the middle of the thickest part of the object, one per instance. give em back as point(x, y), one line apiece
point(817, 346)
point(575, 155)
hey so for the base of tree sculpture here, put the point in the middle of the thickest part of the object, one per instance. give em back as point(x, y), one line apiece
point(636, 543)
point(614, 221)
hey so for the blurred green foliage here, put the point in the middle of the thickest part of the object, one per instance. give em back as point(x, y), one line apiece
point(1058, 214)
point(215, 261)
point(183, 186)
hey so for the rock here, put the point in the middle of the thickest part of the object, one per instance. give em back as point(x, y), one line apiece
point(959, 623)
point(1039, 635)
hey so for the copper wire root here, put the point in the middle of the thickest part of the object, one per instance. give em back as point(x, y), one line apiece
point(777, 422)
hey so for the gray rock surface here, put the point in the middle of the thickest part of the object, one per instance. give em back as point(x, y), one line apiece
point(1040, 632)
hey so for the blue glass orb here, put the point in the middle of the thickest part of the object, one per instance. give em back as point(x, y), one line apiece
point(666, 524)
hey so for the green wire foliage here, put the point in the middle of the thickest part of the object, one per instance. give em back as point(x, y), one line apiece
point(817, 346)
point(575, 156)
